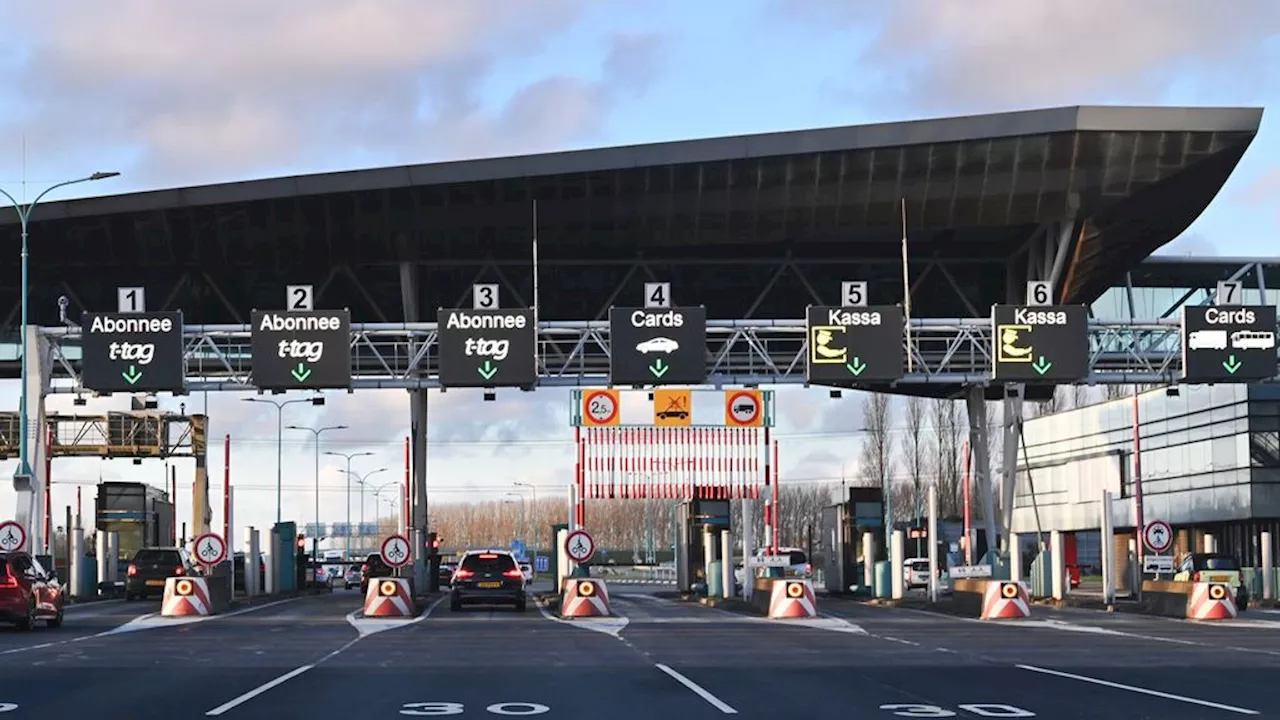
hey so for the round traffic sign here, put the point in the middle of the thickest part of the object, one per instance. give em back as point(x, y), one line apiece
point(579, 546)
point(744, 407)
point(601, 407)
point(395, 551)
point(13, 537)
point(1158, 536)
point(211, 549)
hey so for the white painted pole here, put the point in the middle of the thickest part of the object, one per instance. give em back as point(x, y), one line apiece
point(933, 543)
point(726, 564)
point(103, 551)
point(1015, 558)
point(76, 576)
point(896, 564)
point(562, 559)
point(1108, 546)
point(113, 556)
point(869, 561)
point(1268, 569)
point(1210, 543)
point(251, 562)
point(1059, 567)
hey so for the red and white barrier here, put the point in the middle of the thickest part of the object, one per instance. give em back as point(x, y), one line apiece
point(1211, 601)
point(792, 599)
point(1005, 600)
point(388, 598)
point(584, 597)
point(186, 597)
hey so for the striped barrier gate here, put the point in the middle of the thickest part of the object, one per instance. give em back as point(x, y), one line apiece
point(388, 598)
point(186, 597)
point(583, 597)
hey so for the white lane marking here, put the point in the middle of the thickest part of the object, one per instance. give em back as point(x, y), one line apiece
point(1142, 691)
point(698, 690)
point(151, 621)
point(277, 682)
point(371, 626)
point(612, 626)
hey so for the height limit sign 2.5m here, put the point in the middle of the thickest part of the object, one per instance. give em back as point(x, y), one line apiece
point(487, 348)
point(133, 352)
point(298, 350)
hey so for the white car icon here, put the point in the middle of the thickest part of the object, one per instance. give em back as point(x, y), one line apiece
point(658, 344)
point(1208, 340)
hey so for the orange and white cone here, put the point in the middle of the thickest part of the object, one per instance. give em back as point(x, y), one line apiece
point(792, 599)
point(186, 597)
point(388, 598)
point(1211, 601)
point(582, 597)
point(1005, 600)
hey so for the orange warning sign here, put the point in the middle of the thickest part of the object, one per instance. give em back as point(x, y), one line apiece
point(600, 408)
point(672, 408)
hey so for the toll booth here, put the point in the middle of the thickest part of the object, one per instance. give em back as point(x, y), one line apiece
point(699, 524)
point(843, 526)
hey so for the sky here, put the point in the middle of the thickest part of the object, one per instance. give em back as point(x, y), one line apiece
point(177, 94)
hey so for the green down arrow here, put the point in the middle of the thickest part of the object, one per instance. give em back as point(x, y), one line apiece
point(488, 370)
point(1041, 365)
point(132, 376)
point(301, 373)
point(659, 368)
point(1231, 365)
point(857, 367)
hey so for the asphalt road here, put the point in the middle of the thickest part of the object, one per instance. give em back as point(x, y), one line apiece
point(313, 657)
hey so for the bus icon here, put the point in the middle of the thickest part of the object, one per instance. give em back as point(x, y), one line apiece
point(1253, 340)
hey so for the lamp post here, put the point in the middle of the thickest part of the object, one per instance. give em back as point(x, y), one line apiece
point(348, 456)
point(24, 220)
point(523, 527)
point(315, 546)
point(279, 406)
point(377, 495)
point(536, 534)
point(362, 481)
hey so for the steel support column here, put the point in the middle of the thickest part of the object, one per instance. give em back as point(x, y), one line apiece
point(1012, 418)
point(417, 510)
point(980, 471)
point(30, 500)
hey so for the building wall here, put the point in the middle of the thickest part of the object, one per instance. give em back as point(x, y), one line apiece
point(1205, 459)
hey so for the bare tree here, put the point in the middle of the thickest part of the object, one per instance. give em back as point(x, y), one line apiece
point(946, 467)
point(877, 443)
point(1079, 396)
point(915, 449)
point(1115, 392)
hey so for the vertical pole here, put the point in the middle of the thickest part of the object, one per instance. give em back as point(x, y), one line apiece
point(24, 465)
point(933, 543)
point(768, 502)
point(1015, 558)
point(1108, 545)
point(48, 486)
point(777, 517)
point(67, 543)
point(279, 460)
point(896, 564)
point(103, 553)
point(1268, 568)
point(1059, 567)
point(226, 492)
point(748, 546)
point(968, 521)
point(173, 499)
point(869, 561)
point(1139, 520)
point(404, 509)
point(726, 564)
point(315, 548)
point(348, 552)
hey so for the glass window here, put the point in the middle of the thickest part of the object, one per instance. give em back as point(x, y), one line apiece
point(488, 563)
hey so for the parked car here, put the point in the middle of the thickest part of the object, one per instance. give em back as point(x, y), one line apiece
point(28, 592)
point(488, 577)
point(373, 568)
point(351, 578)
point(1215, 568)
point(150, 567)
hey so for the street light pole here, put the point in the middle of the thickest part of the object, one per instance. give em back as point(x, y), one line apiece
point(361, 481)
point(348, 456)
point(24, 221)
point(536, 528)
point(279, 406)
point(315, 545)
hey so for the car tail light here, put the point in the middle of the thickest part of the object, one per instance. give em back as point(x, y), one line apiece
point(463, 574)
point(179, 571)
point(1196, 577)
point(133, 570)
point(9, 581)
point(513, 573)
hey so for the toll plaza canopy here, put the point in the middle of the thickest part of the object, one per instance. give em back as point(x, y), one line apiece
point(755, 226)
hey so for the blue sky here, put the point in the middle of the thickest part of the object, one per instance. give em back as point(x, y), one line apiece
point(176, 94)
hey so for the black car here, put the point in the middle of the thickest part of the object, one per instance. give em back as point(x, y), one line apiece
point(372, 569)
point(151, 566)
point(488, 578)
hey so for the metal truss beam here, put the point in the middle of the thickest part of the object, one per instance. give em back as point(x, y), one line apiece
point(739, 352)
point(114, 435)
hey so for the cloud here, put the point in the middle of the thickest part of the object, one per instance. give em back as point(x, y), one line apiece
point(188, 93)
point(988, 55)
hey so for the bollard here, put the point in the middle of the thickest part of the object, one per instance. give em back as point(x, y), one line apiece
point(77, 561)
point(101, 553)
point(708, 559)
point(1268, 569)
point(251, 562)
point(726, 564)
point(1015, 558)
point(113, 555)
point(1059, 565)
point(1210, 543)
point(897, 564)
point(869, 561)
point(1108, 548)
point(269, 559)
point(562, 558)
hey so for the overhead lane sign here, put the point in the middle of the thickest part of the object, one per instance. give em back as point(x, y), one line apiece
point(1229, 343)
point(301, 349)
point(1047, 344)
point(850, 345)
point(658, 346)
point(133, 352)
point(487, 348)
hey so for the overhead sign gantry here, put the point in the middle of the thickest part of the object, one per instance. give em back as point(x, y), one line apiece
point(658, 344)
point(1040, 342)
point(855, 342)
point(301, 348)
point(1228, 341)
point(132, 350)
point(487, 346)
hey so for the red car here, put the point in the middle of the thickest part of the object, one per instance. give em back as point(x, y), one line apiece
point(28, 592)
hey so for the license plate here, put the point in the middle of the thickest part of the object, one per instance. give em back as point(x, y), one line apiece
point(1220, 578)
point(490, 584)
point(155, 583)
